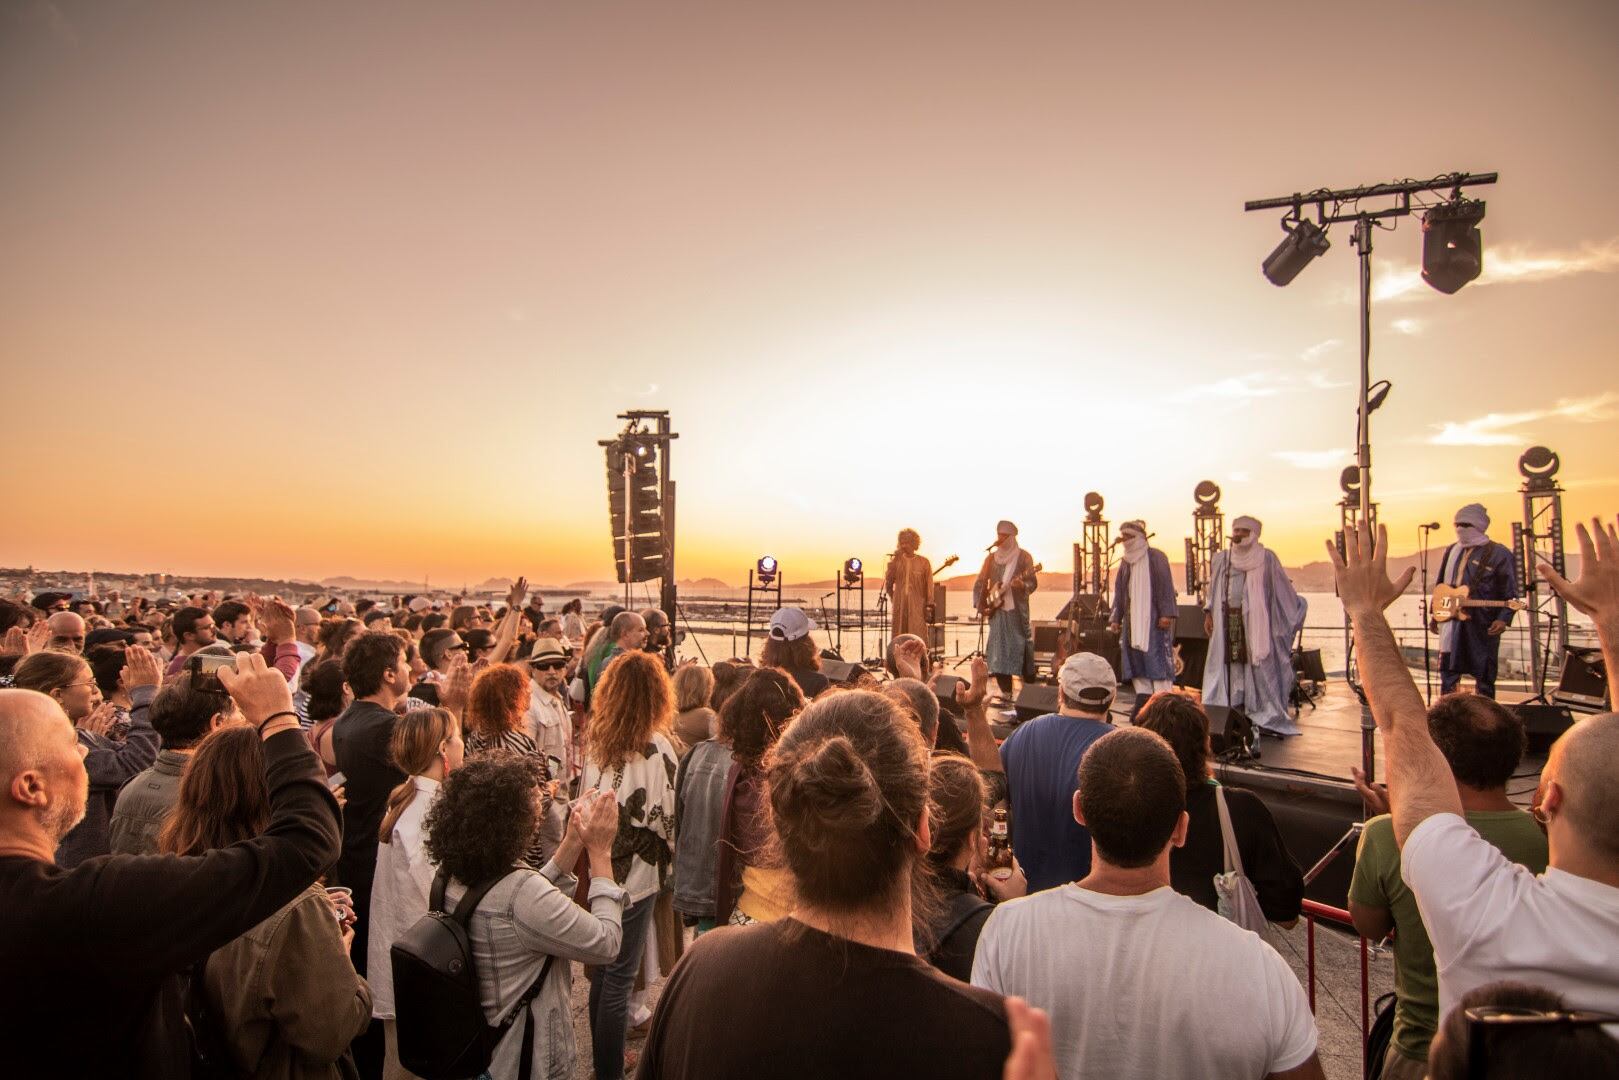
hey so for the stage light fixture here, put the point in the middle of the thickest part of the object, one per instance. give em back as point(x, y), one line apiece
point(853, 571)
point(1539, 464)
point(1349, 481)
point(1452, 246)
point(767, 569)
point(1206, 494)
point(1304, 241)
point(1093, 503)
point(1379, 391)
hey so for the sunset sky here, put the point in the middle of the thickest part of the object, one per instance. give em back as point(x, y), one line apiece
point(309, 289)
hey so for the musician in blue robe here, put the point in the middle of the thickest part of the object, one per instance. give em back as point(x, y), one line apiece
point(1144, 613)
point(1472, 646)
point(1249, 577)
point(1011, 637)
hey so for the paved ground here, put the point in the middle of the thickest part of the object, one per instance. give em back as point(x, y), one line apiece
point(1337, 997)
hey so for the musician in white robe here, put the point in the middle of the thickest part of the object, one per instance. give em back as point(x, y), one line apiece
point(1249, 592)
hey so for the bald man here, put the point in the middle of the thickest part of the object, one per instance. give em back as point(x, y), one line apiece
point(1489, 918)
point(67, 632)
point(91, 956)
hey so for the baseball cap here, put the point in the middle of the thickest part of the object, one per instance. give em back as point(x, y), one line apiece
point(790, 624)
point(1089, 679)
point(420, 603)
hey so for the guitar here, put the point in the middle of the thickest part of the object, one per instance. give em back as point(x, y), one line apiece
point(995, 591)
point(947, 564)
point(1451, 602)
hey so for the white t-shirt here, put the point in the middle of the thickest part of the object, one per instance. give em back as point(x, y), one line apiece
point(1152, 986)
point(1491, 919)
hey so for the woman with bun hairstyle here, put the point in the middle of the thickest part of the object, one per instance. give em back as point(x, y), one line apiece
point(815, 994)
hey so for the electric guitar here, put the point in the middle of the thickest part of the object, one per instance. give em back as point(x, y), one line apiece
point(995, 591)
point(1451, 602)
point(947, 564)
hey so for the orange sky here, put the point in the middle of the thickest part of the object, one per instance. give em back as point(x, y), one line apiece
point(318, 289)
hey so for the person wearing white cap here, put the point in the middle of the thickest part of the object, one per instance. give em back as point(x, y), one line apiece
point(1252, 615)
point(1041, 758)
point(1144, 612)
point(1009, 570)
point(1473, 646)
point(789, 647)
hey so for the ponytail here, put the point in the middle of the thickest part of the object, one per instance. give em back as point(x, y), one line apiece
point(417, 739)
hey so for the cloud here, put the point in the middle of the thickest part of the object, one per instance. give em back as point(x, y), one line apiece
point(1506, 429)
point(1503, 264)
point(1335, 458)
point(1269, 382)
point(1409, 327)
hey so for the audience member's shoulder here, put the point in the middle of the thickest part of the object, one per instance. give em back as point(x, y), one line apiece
point(1246, 804)
point(1378, 831)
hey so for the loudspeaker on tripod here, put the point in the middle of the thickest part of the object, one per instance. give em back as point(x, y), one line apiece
point(1035, 699)
point(1228, 728)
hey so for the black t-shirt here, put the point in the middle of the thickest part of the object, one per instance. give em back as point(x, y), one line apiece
point(810, 681)
point(957, 924)
point(1265, 859)
point(784, 1000)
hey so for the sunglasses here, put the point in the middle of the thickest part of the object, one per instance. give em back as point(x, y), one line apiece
point(550, 665)
point(457, 648)
point(1519, 1018)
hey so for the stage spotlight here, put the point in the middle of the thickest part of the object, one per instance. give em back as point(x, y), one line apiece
point(1349, 482)
point(646, 454)
point(1303, 242)
point(1452, 246)
point(1093, 504)
point(853, 571)
point(1539, 464)
point(767, 569)
point(1206, 494)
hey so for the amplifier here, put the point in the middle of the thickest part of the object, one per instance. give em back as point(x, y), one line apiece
point(1583, 684)
point(1543, 724)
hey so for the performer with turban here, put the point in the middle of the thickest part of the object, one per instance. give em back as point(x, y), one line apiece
point(1473, 646)
point(1011, 637)
point(1144, 612)
point(1248, 580)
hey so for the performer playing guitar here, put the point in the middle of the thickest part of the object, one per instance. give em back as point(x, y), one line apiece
point(1473, 646)
point(1001, 594)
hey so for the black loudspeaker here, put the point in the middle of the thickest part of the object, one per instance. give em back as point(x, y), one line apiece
point(1035, 700)
point(842, 671)
point(1191, 645)
point(1584, 682)
point(1307, 665)
point(1228, 728)
point(1542, 724)
point(1045, 636)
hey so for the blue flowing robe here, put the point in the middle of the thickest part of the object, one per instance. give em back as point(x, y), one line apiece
point(1491, 574)
point(1263, 690)
point(1154, 659)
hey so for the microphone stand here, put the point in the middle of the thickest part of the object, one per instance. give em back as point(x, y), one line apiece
point(1427, 646)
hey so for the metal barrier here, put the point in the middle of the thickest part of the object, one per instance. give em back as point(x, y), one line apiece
point(1313, 912)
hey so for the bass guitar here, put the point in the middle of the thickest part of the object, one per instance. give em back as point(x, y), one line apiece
point(995, 591)
point(1452, 601)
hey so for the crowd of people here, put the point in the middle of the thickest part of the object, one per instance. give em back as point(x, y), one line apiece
point(224, 818)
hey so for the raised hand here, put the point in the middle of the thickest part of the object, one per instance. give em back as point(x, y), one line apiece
point(1375, 796)
point(15, 642)
point(457, 686)
point(259, 690)
point(975, 694)
point(594, 821)
point(39, 636)
point(140, 669)
point(275, 617)
point(1596, 593)
point(1362, 572)
point(908, 657)
point(519, 591)
point(1031, 1057)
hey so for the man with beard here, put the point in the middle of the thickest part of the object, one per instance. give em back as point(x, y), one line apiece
point(908, 583)
point(550, 724)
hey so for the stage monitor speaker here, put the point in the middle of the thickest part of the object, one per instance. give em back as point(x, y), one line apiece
point(1542, 724)
point(1035, 700)
point(1228, 728)
point(1584, 682)
point(1189, 622)
point(1307, 665)
point(842, 672)
point(1045, 636)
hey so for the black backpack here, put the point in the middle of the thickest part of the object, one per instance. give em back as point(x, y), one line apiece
point(442, 1031)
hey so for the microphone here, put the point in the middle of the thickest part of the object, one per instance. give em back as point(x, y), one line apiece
point(1431, 525)
point(1121, 538)
point(993, 546)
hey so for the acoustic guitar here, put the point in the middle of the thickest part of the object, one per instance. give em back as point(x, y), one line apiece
point(1452, 601)
point(995, 591)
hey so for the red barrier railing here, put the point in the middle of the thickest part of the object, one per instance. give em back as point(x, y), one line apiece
point(1312, 913)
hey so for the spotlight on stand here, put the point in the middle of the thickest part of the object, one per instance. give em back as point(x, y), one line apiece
point(1304, 241)
point(1093, 505)
point(1349, 483)
point(767, 569)
point(853, 571)
point(1538, 465)
point(1452, 246)
point(1206, 494)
